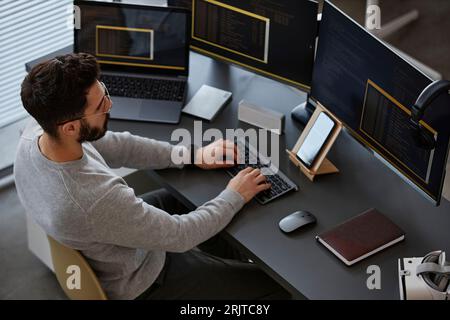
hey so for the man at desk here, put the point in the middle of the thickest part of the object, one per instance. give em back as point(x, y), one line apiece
point(138, 249)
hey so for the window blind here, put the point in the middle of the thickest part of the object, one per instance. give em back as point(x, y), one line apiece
point(29, 29)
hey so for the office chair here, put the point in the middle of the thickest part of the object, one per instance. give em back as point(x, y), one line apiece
point(62, 258)
point(392, 27)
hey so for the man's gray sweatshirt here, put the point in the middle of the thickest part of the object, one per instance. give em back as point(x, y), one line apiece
point(85, 206)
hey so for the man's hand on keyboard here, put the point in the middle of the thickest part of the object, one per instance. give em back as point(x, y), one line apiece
point(248, 183)
point(219, 154)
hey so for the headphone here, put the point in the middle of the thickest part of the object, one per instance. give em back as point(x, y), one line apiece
point(423, 137)
point(435, 271)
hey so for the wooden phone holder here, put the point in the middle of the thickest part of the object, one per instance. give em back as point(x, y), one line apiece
point(321, 164)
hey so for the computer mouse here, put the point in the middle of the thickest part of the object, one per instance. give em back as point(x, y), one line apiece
point(296, 220)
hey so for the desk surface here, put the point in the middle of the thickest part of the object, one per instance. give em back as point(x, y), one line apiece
point(297, 261)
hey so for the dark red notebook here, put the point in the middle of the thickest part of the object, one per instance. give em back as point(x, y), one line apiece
point(361, 236)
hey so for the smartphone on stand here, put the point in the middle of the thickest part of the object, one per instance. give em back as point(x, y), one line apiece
point(316, 140)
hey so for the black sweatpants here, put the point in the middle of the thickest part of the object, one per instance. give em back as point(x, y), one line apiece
point(216, 271)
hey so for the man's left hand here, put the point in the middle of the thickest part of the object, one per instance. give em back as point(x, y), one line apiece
point(219, 154)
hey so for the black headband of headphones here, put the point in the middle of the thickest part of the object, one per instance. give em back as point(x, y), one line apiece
point(427, 96)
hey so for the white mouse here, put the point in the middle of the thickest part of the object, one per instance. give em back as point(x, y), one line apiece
point(296, 220)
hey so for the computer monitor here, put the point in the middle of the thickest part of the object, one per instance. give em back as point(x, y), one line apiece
point(273, 38)
point(130, 38)
point(371, 89)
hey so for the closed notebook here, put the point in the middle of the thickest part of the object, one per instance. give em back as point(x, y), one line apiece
point(361, 236)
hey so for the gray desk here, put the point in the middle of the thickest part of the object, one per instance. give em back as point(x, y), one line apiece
point(297, 261)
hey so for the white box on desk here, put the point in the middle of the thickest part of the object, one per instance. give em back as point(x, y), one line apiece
point(261, 117)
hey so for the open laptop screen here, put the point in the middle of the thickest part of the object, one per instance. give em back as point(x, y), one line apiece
point(134, 38)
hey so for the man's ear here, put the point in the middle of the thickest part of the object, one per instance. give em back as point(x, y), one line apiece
point(70, 129)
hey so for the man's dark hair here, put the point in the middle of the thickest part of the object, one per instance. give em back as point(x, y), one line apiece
point(55, 90)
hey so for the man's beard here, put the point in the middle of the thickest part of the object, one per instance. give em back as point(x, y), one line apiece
point(88, 133)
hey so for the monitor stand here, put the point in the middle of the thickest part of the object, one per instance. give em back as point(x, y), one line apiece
point(303, 112)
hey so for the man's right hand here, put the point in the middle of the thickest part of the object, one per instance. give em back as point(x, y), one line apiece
point(248, 183)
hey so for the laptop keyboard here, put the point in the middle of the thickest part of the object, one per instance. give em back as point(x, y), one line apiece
point(145, 88)
point(281, 184)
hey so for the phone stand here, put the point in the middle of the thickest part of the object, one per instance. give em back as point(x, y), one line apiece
point(321, 164)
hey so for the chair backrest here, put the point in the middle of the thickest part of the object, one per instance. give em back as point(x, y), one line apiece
point(69, 263)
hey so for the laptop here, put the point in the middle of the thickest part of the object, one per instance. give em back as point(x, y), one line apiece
point(143, 52)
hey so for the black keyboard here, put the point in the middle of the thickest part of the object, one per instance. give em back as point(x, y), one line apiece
point(280, 183)
point(145, 88)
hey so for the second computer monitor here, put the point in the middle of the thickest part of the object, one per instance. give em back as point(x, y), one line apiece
point(273, 38)
point(371, 89)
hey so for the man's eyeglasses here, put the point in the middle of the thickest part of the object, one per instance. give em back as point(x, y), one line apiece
point(105, 106)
